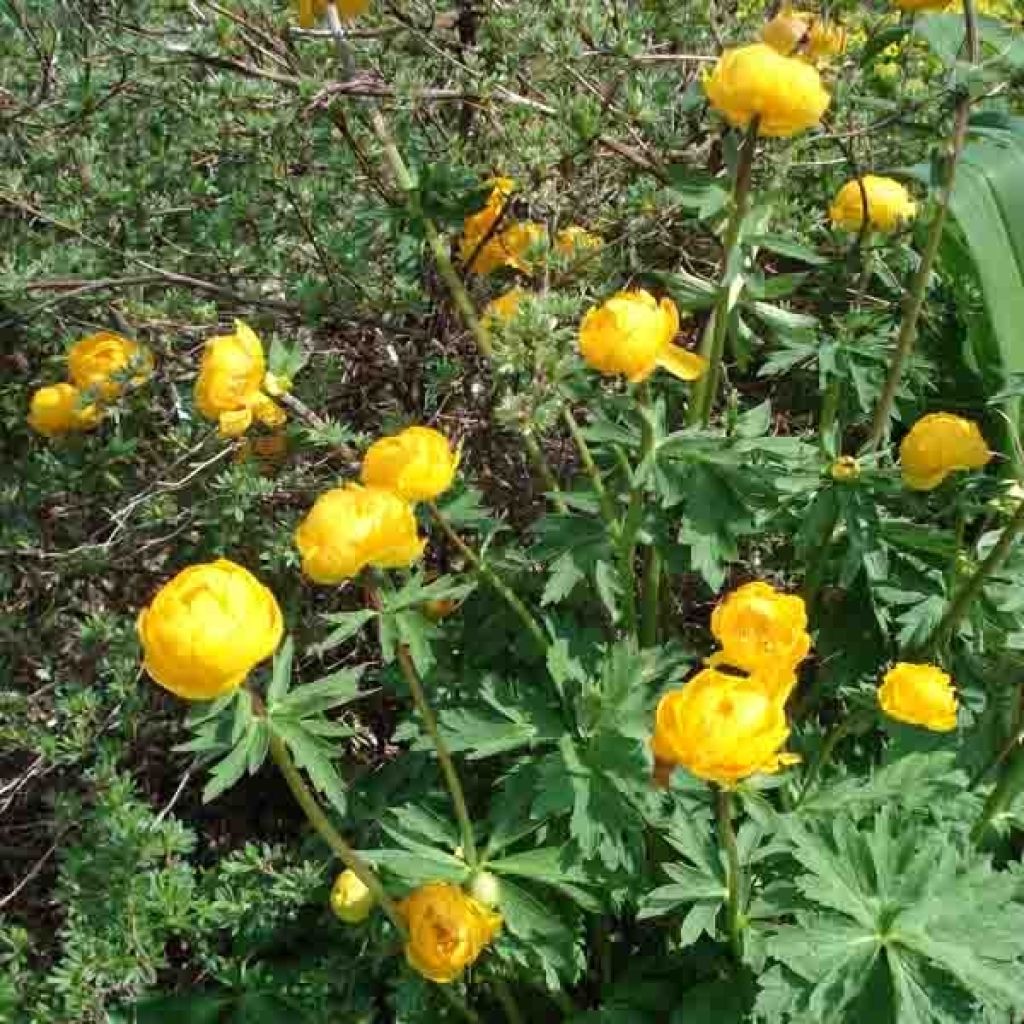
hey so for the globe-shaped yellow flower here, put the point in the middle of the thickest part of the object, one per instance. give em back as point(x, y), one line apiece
point(785, 94)
point(57, 409)
point(922, 5)
point(919, 695)
point(418, 464)
point(939, 444)
point(448, 930)
point(352, 527)
point(207, 629)
point(787, 30)
point(762, 631)
point(721, 728)
point(229, 389)
point(351, 900)
point(310, 11)
point(889, 205)
point(631, 334)
point(505, 306)
point(101, 362)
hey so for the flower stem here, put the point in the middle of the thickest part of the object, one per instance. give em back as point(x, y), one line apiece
point(972, 588)
point(543, 467)
point(457, 1003)
point(508, 1003)
point(651, 578)
point(713, 343)
point(490, 577)
point(1009, 786)
point(849, 725)
point(587, 458)
point(727, 841)
point(444, 757)
point(319, 820)
point(916, 295)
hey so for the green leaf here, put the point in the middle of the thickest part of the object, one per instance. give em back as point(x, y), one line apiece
point(183, 1009)
point(231, 768)
point(324, 694)
point(348, 623)
point(418, 864)
point(281, 676)
point(787, 247)
point(713, 1002)
point(551, 864)
point(314, 755)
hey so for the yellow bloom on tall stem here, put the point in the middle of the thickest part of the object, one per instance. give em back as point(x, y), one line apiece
point(763, 632)
point(311, 11)
point(889, 204)
point(939, 444)
point(448, 930)
point(57, 409)
point(631, 334)
point(207, 628)
point(102, 361)
point(721, 728)
point(351, 901)
point(352, 527)
point(230, 386)
point(785, 94)
point(418, 464)
point(919, 695)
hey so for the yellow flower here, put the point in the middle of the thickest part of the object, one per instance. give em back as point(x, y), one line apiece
point(480, 223)
point(825, 40)
point(845, 468)
point(350, 898)
point(787, 30)
point(57, 410)
point(784, 93)
point(889, 204)
point(574, 240)
point(763, 632)
point(102, 361)
point(922, 5)
point(438, 608)
point(632, 334)
point(721, 727)
point(448, 930)
point(310, 11)
point(229, 388)
point(351, 527)
point(939, 444)
point(207, 629)
point(418, 464)
point(505, 306)
point(919, 695)
point(507, 248)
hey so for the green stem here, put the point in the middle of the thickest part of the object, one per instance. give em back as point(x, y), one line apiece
point(345, 55)
point(713, 343)
point(490, 577)
point(972, 588)
point(727, 840)
point(543, 467)
point(839, 733)
point(1009, 786)
point(915, 298)
point(651, 596)
point(444, 757)
point(586, 456)
point(508, 1003)
point(457, 1003)
point(829, 409)
point(330, 835)
point(816, 569)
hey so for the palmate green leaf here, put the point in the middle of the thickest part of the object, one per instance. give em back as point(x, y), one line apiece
point(551, 864)
point(281, 675)
point(322, 695)
point(231, 768)
point(724, 1001)
point(347, 623)
point(314, 755)
point(417, 864)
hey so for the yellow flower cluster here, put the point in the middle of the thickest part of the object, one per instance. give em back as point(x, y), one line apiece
point(939, 444)
point(784, 94)
point(724, 726)
point(631, 334)
point(233, 383)
point(919, 695)
point(799, 33)
point(889, 205)
point(372, 523)
point(100, 367)
point(448, 930)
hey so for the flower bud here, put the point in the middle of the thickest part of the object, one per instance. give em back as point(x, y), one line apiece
point(351, 900)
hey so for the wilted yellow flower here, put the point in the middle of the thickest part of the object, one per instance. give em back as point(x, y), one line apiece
point(268, 451)
point(825, 40)
point(57, 409)
point(207, 629)
point(784, 93)
point(448, 930)
point(351, 527)
point(351, 900)
point(939, 444)
point(845, 468)
point(787, 30)
point(889, 204)
point(505, 306)
point(418, 464)
point(230, 385)
point(631, 334)
point(922, 5)
point(102, 361)
point(721, 727)
point(310, 11)
point(574, 240)
point(478, 224)
point(508, 247)
point(763, 632)
point(919, 695)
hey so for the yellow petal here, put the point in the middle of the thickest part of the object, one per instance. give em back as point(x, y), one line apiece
point(681, 363)
point(234, 423)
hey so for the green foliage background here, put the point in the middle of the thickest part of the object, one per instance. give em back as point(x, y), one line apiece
point(167, 166)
